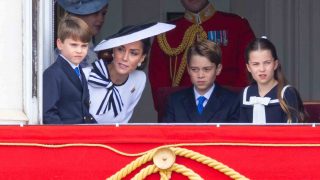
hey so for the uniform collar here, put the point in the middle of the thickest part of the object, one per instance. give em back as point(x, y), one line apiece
point(202, 16)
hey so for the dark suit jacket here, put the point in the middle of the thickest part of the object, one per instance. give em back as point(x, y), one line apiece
point(222, 107)
point(65, 96)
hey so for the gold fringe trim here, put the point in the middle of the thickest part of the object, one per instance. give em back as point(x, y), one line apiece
point(166, 174)
point(192, 33)
point(176, 167)
point(164, 146)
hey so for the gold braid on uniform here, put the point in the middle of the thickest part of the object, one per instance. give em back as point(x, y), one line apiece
point(193, 32)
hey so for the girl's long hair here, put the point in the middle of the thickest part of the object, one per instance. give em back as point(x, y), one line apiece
point(265, 44)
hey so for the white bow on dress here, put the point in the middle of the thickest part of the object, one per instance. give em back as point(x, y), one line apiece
point(259, 113)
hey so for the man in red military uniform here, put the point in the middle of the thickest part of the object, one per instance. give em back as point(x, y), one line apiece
point(167, 67)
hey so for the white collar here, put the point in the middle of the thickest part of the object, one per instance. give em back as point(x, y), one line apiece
point(206, 95)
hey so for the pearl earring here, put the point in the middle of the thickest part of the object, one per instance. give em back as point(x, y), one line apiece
point(139, 64)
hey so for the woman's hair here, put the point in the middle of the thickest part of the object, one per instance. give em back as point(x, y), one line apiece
point(146, 43)
point(265, 44)
point(205, 48)
point(74, 28)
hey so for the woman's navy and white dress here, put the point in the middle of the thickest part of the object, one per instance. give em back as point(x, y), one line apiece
point(111, 103)
point(267, 109)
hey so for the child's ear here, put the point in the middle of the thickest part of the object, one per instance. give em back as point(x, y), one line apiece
point(248, 68)
point(219, 69)
point(189, 70)
point(276, 64)
point(59, 44)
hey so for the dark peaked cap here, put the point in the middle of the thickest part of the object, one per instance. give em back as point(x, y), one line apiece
point(134, 33)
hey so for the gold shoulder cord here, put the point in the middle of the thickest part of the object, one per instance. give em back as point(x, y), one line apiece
point(188, 38)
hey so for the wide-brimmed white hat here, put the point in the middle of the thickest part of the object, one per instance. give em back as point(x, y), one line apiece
point(135, 33)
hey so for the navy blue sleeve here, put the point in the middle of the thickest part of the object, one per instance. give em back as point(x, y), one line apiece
point(51, 96)
point(169, 116)
point(245, 112)
point(234, 112)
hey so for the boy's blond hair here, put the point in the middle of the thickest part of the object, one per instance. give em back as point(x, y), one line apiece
point(206, 48)
point(74, 28)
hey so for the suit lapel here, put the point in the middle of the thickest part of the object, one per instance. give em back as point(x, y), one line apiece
point(70, 73)
point(84, 85)
point(85, 93)
point(191, 106)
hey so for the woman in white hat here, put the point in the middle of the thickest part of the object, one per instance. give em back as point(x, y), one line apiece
point(115, 87)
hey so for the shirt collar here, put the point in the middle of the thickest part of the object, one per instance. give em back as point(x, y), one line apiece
point(71, 64)
point(202, 16)
point(206, 95)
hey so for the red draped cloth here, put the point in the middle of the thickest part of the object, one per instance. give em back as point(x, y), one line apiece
point(256, 152)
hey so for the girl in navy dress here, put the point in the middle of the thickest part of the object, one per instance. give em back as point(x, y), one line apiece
point(269, 99)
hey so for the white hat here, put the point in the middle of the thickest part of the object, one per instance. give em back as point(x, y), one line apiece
point(135, 33)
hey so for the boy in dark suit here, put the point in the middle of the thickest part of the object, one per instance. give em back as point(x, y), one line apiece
point(65, 90)
point(205, 102)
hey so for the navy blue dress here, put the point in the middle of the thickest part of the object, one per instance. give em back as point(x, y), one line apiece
point(273, 111)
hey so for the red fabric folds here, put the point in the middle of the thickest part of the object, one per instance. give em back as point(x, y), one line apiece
point(257, 152)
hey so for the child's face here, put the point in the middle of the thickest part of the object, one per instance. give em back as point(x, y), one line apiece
point(262, 66)
point(74, 50)
point(127, 57)
point(95, 21)
point(203, 73)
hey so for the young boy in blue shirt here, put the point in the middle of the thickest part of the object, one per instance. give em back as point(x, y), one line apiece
point(65, 91)
point(205, 101)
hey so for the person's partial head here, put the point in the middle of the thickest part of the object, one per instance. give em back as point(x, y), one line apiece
point(204, 64)
point(91, 11)
point(129, 57)
point(136, 52)
point(73, 39)
point(131, 45)
point(262, 61)
point(194, 6)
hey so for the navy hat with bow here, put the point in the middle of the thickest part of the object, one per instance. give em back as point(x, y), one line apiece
point(82, 7)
